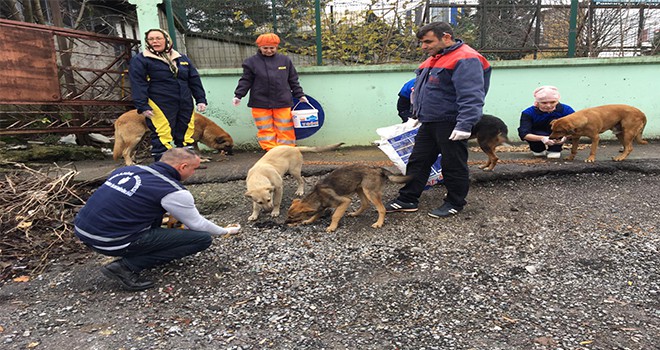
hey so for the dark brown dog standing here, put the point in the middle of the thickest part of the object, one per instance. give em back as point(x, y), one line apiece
point(130, 127)
point(626, 122)
point(490, 132)
point(335, 190)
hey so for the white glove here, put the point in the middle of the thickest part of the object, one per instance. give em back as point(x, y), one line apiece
point(201, 107)
point(458, 135)
point(233, 229)
point(304, 99)
point(547, 141)
point(148, 113)
point(236, 101)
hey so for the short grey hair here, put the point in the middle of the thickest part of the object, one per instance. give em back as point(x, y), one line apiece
point(176, 156)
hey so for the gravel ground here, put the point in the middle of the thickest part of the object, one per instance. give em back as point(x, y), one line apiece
point(550, 262)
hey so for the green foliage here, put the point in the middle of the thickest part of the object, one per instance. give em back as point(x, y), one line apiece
point(233, 17)
point(244, 18)
point(365, 38)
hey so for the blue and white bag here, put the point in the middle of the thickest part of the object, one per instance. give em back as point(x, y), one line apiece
point(397, 142)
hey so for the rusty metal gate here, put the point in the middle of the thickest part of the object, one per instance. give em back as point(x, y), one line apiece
point(58, 80)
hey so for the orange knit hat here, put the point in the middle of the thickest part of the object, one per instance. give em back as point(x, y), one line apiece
point(268, 39)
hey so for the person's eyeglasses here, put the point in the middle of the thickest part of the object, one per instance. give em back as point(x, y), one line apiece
point(155, 39)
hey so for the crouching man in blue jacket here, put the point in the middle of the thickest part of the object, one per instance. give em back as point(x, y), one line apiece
point(123, 218)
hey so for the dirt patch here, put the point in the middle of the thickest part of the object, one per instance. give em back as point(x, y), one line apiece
point(539, 263)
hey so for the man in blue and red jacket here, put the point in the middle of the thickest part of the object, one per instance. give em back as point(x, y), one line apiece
point(448, 100)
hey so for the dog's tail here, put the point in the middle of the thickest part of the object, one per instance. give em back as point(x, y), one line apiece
point(502, 136)
point(639, 138)
point(396, 178)
point(319, 148)
point(119, 146)
point(503, 140)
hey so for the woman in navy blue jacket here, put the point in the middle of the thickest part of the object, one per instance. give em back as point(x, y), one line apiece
point(163, 85)
point(535, 122)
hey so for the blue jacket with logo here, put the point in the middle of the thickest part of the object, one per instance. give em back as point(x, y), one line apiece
point(127, 204)
point(534, 121)
point(271, 80)
point(451, 87)
point(151, 78)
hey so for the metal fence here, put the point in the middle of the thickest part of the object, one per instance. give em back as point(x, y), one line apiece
point(221, 33)
point(67, 80)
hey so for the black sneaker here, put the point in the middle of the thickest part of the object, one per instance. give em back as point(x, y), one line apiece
point(397, 205)
point(445, 210)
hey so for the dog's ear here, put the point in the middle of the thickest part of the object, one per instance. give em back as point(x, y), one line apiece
point(270, 188)
point(248, 194)
point(222, 141)
point(552, 122)
point(307, 209)
point(294, 205)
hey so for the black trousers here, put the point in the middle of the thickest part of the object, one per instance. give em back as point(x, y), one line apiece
point(159, 246)
point(538, 146)
point(433, 139)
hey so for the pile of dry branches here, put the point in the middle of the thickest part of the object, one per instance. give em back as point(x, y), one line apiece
point(36, 217)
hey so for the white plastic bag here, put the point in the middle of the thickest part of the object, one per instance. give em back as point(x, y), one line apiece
point(397, 142)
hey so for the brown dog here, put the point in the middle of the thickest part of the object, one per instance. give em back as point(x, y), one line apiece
point(626, 122)
point(335, 190)
point(490, 132)
point(264, 180)
point(130, 127)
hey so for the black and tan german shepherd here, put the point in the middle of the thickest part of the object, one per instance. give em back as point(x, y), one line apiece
point(490, 132)
point(335, 190)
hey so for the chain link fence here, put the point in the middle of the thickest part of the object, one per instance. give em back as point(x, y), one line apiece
point(221, 33)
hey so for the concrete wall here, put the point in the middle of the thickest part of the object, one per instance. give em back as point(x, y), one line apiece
point(357, 100)
point(209, 53)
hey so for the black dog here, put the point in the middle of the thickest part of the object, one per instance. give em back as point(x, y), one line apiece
point(490, 132)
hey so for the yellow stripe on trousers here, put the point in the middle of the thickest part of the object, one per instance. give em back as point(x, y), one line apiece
point(188, 136)
point(162, 126)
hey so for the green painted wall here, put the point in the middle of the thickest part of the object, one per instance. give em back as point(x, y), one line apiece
point(357, 100)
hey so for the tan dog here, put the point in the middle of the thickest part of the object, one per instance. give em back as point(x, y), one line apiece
point(130, 127)
point(335, 191)
point(626, 122)
point(264, 180)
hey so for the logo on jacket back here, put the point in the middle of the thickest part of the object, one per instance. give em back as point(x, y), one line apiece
point(281, 67)
point(124, 182)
